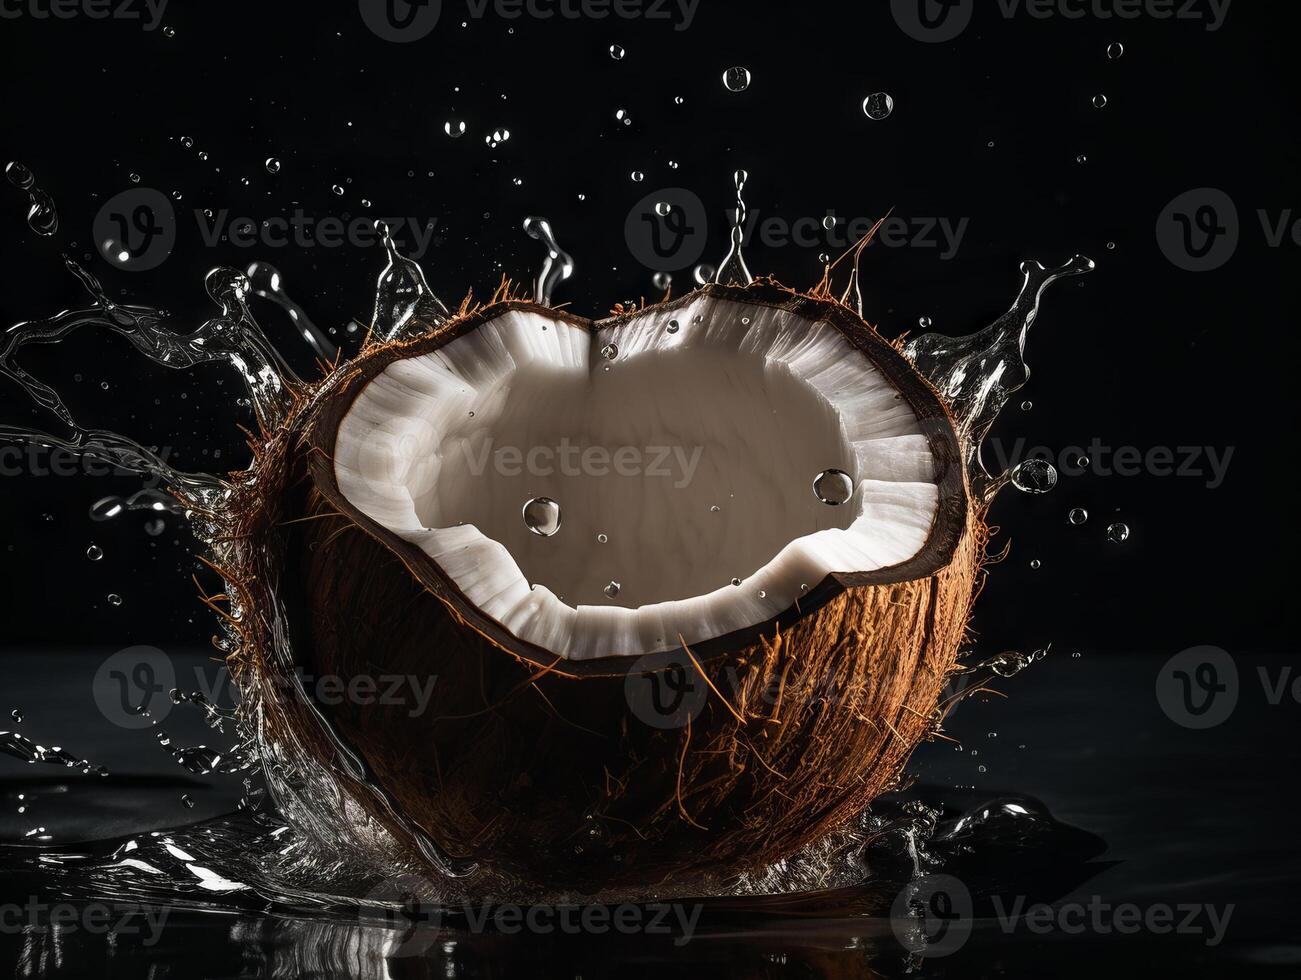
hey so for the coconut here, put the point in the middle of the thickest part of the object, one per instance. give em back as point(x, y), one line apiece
point(687, 581)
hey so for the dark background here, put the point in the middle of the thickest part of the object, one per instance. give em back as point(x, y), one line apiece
point(987, 127)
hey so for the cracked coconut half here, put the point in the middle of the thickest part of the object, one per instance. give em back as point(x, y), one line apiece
point(690, 580)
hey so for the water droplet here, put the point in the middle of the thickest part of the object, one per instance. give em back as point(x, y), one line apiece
point(678, 100)
point(186, 142)
point(617, 52)
point(16, 715)
point(829, 222)
point(1115, 50)
point(497, 137)
point(662, 280)
point(637, 176)
point(94, 552)
point(703, 273)
point(763, 594)
point(1027, 405)
point(612, 589)
point(610, 351)
point(542, 516)
point(878, 105)
point(1099, 101)
point(1035, 564)
point(273, 165)
point(114, 599)
point(1034, 476)
point(169, 32)
point(186, 801)
point(1081, 159)
point(602, 539)
point(736, 79)
point(715, 509)
point(673, 165)
point(924, 322)
point(1077, 515)
point(736, 581)
point(135, 178)
point(622, 116)
point(454, 128)
point(833, 487)
point(155, 526)
point(663, 208)
point(1117, 533)
point(673, 326)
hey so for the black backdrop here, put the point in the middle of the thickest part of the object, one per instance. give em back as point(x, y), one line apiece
point(987, 128)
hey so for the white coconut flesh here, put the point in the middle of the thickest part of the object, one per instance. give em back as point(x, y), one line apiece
point(684, 463)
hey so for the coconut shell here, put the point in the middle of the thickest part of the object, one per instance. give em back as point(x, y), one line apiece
point(573, 775)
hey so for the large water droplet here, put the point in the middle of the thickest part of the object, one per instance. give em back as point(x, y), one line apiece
point(1117, 533)
point(542, 516)
point(612, 589)
point(1115, 50)
point(1099, 101)
point(878, 105)
point(94, 552)
point(454, 128)
point(1077, 515)
point(272, 165)
point(833, 487)
point(1034, 476)
point(736, 79)
point(617, 52)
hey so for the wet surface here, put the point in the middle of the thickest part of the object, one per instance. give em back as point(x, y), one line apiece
point(1164, 850)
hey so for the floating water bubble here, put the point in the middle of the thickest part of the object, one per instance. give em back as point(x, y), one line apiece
point(602, 538)
point(169, 32)
point(924, 322)
point(1099, 101)
point(114, 599)
point(736, 581)
point(497, 137)
point(612, 589)
point(736, 79)
point(134, 178)
point(662, 280)
point(454, 128)
point(622, 116)
point(338, 190)
point(715, 509)
point(673, 165)
point(878, 105)
point(703, 273)
point(662, 208)
point(1027, 405)
point(673, 326)
point(273, 165)
point(610, 351)
point(829, 222)
point(1035, 564)
point(542, 516)
point(617, 52)
point(94, 552)
point(1034, 476)
point(678, 100)
point(155, 526)
point(1081, 159)
point(637, 176)
point(1115, 50)
point(833, 487)
point(186, 142)
point(186, 801)
point(1117, 533)
point(1077, 515)
point(17, 716)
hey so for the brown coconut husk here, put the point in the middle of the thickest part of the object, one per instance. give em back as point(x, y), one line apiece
point(548, 770)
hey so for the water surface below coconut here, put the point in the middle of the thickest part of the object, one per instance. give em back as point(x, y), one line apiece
point(1069, 812)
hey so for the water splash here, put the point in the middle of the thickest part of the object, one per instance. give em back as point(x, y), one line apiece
point(557, 266)
point(977, 374)
point(267, 283)
point(733, 271)
point(42, 217)
point(155, 501)
point(19, 746)
point(405, 306)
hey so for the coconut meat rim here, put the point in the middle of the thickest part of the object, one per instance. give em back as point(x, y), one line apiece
point(680, 446)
